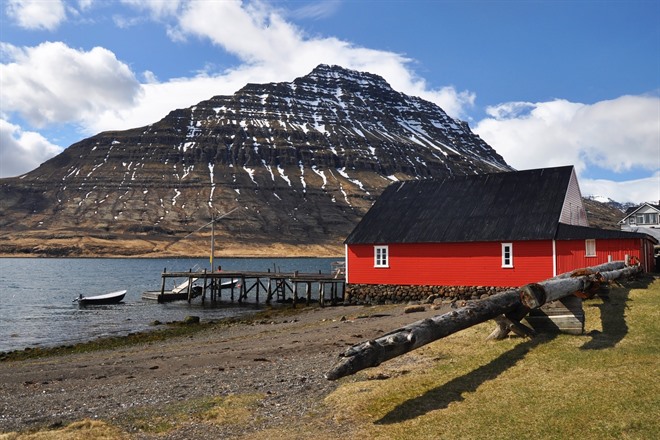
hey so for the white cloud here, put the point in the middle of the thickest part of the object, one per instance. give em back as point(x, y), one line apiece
point(603, 134)
point(36, 14)
point(270, 49)
point(317, 10)
point(22, 151)
point(635, 191)
point(53, 83)
point(619, 135)
point(158, 8)
point(85, 4)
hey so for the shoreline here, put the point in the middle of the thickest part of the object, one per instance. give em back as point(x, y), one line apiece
point(279, 356)
point(158, 331)
point(168, 257)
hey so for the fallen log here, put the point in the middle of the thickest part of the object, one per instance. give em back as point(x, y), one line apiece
point(513, 304)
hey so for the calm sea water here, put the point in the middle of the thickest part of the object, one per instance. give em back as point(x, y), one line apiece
point(36, 296)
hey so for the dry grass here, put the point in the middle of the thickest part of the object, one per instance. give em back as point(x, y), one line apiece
point(83, 430)
point(602, 385)
point(233, 409)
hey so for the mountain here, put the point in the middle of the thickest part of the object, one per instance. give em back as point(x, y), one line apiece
point(603, 215)
point(622, 207)
point(301, 161)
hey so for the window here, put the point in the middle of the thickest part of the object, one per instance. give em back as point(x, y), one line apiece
point(590, 248)
point(640, 219)
point(507, 255)
point(380, 256)
point(631, 220)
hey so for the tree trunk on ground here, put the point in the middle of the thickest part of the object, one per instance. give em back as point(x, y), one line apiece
point(513, 304)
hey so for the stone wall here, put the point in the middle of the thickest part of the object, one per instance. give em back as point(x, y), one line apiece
point(386, 294)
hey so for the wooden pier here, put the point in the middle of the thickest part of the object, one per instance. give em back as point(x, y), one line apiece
point(237, 285)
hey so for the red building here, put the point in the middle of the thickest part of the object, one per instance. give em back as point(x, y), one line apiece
point(499, 230)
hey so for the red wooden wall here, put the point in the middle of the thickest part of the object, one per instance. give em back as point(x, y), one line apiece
point(452, 264)
point(480, 263)
point(571, 254)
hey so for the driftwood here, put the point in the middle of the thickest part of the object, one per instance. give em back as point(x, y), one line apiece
point(512, 304)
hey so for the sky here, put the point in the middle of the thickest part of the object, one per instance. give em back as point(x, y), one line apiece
point(545, 83)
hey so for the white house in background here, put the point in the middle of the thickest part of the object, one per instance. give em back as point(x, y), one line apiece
point(644, 218)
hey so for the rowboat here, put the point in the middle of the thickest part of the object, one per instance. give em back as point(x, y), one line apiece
point(178, 293)
point(107, 298)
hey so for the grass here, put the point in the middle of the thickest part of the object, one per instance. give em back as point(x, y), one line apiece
point(83, 430)
point(232, 409)
point(602, 385)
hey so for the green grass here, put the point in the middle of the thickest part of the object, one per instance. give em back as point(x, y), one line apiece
point(602, 385)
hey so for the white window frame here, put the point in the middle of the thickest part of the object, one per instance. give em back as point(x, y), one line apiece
point(507, 261)
point(590, 247)
point(381, 256)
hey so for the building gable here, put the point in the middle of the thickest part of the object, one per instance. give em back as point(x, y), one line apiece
point(645, 208)
point(573, 212)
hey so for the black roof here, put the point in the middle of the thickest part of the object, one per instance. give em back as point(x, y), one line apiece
point(573, 232)
point(519, 205)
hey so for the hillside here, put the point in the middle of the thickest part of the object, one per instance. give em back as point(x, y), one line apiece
point(302, 161)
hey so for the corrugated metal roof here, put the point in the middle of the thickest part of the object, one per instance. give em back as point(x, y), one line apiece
point(520, 205)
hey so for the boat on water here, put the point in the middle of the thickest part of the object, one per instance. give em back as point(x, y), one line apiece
point(180, 292)
point(107, 298)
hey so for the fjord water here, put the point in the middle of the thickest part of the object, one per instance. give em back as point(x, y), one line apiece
point(36, 296)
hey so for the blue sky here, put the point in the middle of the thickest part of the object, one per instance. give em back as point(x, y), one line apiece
point(545, 83)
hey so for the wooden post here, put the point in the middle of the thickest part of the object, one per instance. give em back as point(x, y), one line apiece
point(189, 287)
point(162, 285)
point(295, 293)
point(204, 290)
point(269, 296)
point(322, 293)
point(243, 290)
point(308, 291)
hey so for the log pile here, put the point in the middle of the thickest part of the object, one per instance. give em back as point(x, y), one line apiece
point(508, 307)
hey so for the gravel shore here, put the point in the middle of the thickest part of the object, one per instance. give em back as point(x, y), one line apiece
point(282, 359)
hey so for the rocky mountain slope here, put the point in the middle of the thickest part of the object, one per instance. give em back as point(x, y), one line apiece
point(603, 215)
point(301, 161)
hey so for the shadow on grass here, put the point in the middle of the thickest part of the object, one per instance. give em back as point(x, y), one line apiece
point(452, 391)
point(614, 330)
point(613, 314)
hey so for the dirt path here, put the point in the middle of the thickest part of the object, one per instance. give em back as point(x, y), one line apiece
point(283, 358)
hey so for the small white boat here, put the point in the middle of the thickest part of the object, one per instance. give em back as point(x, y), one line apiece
point(183, 287)
point(181, 291)
point(107, 298)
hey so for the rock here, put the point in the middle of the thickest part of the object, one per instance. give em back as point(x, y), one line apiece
point(190, 320)
point(414, 309)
